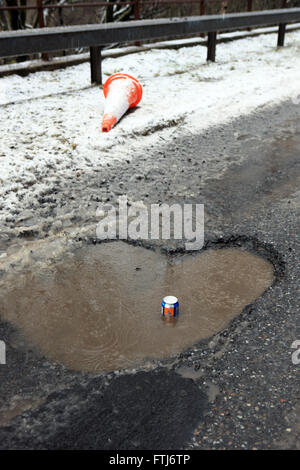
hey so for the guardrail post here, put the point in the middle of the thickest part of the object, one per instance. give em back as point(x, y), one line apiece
point(136, 9)
point(136, 12)
point(250, 7)
point(202, 12)
point(281, 34)
point(95, 59)
point(202, 7)
point(39, 5)
point(281, 30)
point(211, 46)
point(41, 21)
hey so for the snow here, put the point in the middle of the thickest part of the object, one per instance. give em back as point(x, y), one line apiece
point(51, 121)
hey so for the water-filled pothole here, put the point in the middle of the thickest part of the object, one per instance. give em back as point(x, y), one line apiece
point(100, 308)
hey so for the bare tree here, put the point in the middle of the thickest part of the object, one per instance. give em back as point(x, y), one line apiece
point(16, 18)
point(118, 12)
point(224, 6)
point(3, 17)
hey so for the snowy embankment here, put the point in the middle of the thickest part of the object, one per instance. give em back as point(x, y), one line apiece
point(51, 121)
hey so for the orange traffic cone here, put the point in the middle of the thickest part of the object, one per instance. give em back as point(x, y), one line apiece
point(121, 92)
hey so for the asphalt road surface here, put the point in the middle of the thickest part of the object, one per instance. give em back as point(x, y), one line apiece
point(236, 390)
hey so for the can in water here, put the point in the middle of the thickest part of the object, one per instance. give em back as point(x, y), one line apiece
point(170, 307)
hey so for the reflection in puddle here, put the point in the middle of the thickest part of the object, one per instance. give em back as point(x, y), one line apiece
point(100, 310)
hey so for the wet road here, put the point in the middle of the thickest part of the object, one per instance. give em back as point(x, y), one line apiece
point(236, 389)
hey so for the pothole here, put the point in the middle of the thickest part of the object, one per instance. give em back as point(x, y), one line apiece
point(99, 309)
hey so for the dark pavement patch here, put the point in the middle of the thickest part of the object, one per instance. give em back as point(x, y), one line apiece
point(154, 410)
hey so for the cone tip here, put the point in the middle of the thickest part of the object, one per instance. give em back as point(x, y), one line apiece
point(108, 122)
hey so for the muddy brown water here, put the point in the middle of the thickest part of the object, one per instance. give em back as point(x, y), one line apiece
point(100, 308)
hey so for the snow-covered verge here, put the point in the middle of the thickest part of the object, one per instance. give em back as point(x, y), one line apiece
point(51, 121)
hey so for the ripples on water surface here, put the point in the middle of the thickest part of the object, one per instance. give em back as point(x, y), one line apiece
point(100, 309)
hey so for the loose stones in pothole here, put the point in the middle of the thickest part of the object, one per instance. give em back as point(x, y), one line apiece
point(100, 308)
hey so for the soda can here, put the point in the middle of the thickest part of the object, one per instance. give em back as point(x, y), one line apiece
point(170, 307)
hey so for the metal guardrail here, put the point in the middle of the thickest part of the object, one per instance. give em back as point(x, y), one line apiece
point(136, 4)
point(16, 43)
